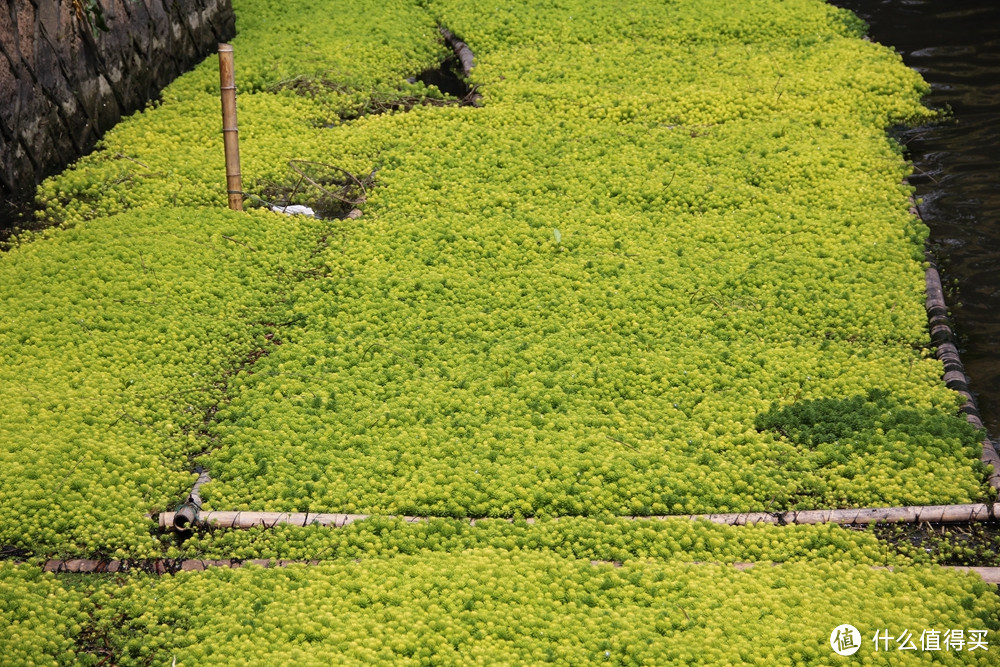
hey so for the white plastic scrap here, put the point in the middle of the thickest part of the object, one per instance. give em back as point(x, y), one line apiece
point(294, 209)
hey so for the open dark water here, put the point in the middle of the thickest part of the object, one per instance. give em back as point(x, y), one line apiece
point(955, 45)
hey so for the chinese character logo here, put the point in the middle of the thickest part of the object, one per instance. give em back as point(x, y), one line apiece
point(845, 639)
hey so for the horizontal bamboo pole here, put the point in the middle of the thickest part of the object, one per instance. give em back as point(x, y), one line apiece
point(857, 517)
point(243, 520)
point(990, 575)
point(851, 517)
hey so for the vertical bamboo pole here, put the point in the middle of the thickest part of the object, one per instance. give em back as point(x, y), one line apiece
point(230, 133)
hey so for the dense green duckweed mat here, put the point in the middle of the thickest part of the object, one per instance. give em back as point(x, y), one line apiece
point(668, 266)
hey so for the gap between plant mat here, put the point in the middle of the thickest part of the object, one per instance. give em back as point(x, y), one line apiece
point(989, 575)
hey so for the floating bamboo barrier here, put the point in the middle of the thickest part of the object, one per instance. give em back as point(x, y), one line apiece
point(848, 517)
point(990, 575)
point(245, 520)
point(954, 372)
point(859, 517)
point(230, 131)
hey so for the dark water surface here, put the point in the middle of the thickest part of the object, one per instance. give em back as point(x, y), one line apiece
point(955, 45)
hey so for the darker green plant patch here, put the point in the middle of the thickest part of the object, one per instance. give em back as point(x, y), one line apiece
point(837, 427)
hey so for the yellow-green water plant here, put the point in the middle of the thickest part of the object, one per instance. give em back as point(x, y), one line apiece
point(574, 300)
point(484, 605)
point(42, 619)
point(598, 538)
point(579, 302)
point(116, 339)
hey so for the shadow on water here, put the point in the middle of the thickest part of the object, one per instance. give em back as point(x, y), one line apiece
point(955, 45)
point(447, 78)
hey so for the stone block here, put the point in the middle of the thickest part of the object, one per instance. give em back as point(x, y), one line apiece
point(63, 87)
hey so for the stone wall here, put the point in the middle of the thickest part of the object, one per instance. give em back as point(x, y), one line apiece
point(62, 86)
